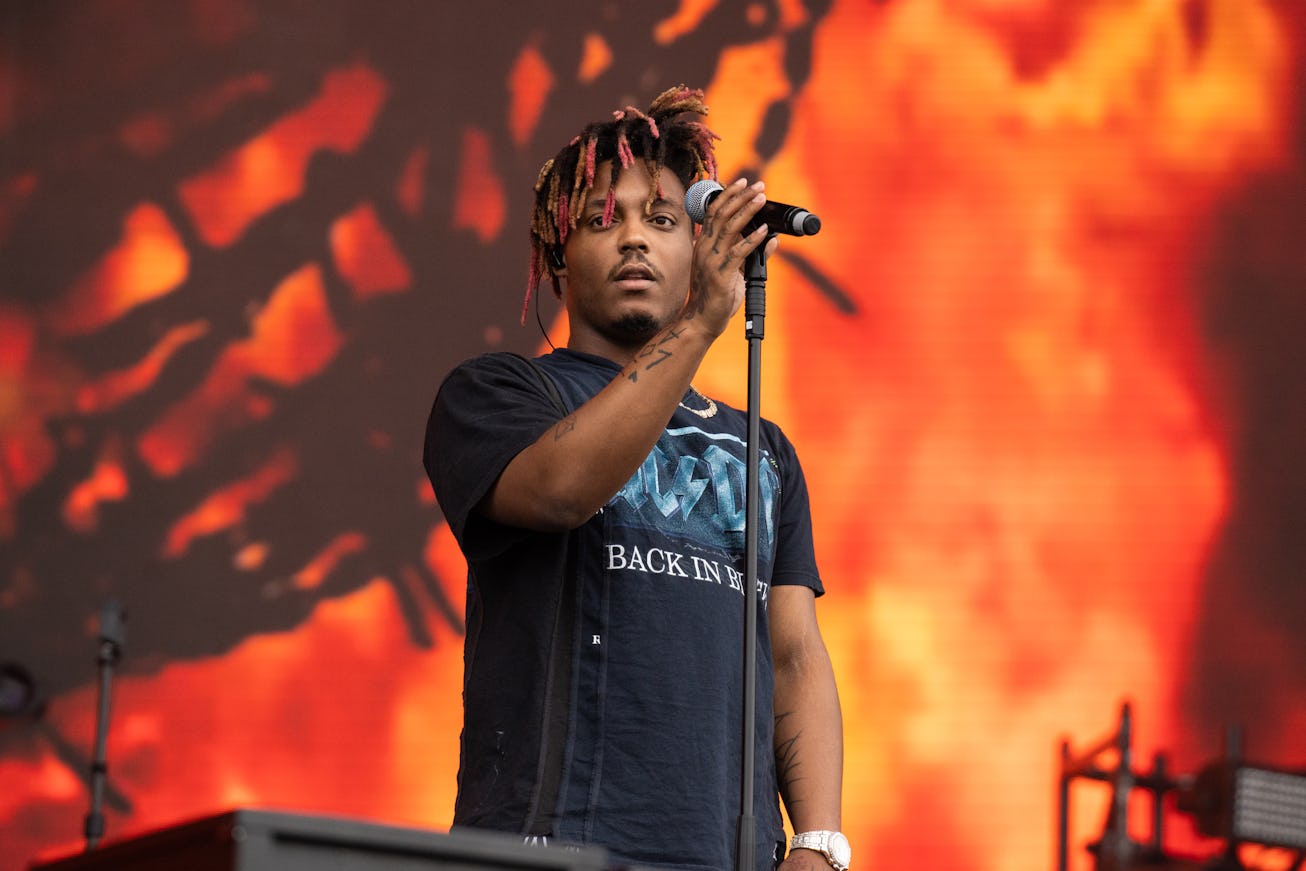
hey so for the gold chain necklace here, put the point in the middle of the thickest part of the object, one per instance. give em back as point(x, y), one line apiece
point(705, 412)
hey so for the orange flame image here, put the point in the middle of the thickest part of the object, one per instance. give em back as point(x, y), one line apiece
point(1034, 364)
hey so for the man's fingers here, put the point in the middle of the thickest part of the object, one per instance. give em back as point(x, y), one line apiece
point(728, 217)
point(738, 203)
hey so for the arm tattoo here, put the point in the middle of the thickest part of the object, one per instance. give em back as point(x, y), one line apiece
point(654, 348)
point(565, 426)
point(672, 333)
point(697, 302)
point(649, 350)
point(665, 355)
point(786, 759)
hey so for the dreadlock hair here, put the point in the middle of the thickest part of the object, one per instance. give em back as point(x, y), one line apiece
point(670, 134)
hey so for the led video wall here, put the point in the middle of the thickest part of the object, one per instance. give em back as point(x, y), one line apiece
point(1043, 365)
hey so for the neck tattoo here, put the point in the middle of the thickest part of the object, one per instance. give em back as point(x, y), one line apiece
point(704, 412)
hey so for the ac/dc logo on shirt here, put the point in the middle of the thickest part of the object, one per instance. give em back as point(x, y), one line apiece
point(692, 486)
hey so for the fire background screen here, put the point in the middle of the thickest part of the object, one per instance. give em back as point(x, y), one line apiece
point(1044, 363)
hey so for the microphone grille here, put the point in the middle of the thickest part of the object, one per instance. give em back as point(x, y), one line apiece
point(700, 193)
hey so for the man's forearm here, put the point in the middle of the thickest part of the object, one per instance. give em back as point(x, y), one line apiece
point(575, 467)
point(809, 741)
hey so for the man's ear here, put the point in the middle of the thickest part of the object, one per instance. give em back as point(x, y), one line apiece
point(557, 262)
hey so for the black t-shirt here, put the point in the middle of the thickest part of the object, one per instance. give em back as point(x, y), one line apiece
point(602, 683)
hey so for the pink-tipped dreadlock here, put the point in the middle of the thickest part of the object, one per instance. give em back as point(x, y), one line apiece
point(671, 134)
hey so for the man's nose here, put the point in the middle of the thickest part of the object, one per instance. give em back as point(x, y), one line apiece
point(633, 237)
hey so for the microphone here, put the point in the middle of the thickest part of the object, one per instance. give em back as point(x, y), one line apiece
point(778, 217)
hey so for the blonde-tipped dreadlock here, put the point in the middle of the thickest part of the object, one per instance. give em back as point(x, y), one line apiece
point(670, 134)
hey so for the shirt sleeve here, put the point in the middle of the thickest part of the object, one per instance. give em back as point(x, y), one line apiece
point(795, 554)
point(487, 411)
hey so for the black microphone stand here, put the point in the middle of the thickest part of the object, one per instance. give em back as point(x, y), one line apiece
point(112, 618)
point(754, 331)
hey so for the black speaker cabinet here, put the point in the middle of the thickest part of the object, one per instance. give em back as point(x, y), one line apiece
point(260, 840)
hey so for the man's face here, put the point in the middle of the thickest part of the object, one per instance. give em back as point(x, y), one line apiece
point(628, 280)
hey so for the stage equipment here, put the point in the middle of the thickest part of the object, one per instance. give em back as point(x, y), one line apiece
point(265, 840)
point(1238, 803)
point(1115, 850)
point(18, 697)
point(23, 704)
point(798, 222)
point(1245, 803)
point(112, 633)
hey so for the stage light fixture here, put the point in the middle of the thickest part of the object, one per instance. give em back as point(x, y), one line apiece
point(1248, 804)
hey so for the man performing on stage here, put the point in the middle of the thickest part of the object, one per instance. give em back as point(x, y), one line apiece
point(599, 500)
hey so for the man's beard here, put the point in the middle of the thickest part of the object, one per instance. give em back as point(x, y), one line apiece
point(635, 328)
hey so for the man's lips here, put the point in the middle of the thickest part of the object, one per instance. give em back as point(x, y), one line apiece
point(636, 274)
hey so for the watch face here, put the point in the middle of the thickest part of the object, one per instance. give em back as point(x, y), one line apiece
point(840, 851)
